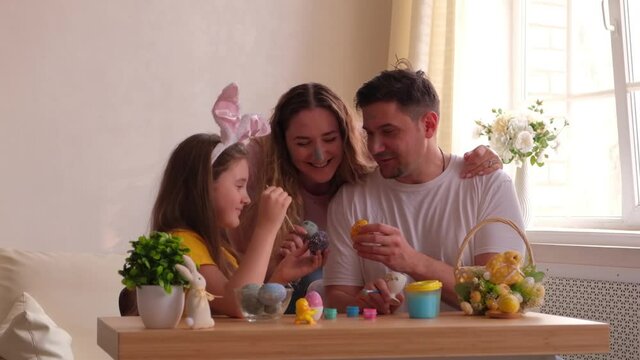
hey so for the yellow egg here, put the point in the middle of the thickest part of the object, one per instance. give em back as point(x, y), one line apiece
point(355, 229)
point(508, 303)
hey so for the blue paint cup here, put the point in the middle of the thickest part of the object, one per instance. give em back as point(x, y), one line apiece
point(423, 299)
point(353, 311)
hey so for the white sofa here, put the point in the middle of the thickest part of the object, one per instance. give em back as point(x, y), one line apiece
point(73, 289)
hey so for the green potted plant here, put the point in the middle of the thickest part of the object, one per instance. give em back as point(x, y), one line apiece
point(150, 270)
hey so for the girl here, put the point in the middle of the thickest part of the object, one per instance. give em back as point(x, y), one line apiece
point(202, 194)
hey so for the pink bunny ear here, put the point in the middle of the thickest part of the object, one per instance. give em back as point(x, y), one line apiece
point(253, 125)
point(233, 127)
point(225, 111)
point(229, 94)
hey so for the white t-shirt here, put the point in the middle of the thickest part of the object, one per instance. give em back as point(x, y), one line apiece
point(434, 218)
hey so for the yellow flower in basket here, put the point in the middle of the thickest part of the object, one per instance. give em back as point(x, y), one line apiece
point(504, 287)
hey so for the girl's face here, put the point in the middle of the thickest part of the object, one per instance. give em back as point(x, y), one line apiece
point(315, 145)
point(228, 194)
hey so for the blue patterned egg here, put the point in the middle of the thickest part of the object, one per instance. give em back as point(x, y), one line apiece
point(272, 294)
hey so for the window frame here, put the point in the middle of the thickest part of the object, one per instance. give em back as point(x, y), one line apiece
point(562, 229)
point(625, 111)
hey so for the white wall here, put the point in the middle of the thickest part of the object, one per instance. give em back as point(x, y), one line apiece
point(95, 94)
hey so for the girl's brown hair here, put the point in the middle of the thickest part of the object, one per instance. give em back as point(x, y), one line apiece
point(183, 197)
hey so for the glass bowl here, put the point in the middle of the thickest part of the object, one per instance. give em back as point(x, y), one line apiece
point(266, 302)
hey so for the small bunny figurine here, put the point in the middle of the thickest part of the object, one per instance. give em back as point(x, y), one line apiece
point(198, 310)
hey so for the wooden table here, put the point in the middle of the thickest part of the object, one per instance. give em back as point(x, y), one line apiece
point(451, 334)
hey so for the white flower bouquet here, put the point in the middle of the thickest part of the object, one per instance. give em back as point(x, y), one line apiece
point(516, 136)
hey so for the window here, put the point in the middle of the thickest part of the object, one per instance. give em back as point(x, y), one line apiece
point(582, 58)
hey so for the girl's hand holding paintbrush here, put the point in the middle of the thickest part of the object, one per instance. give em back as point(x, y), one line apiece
point(272, 210)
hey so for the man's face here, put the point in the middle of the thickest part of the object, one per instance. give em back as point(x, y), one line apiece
point(396, 142)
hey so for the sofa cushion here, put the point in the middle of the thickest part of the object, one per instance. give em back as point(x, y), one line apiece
point(28, 333)
point(74, 288)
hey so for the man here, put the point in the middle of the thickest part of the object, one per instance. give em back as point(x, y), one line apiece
point(418, 207)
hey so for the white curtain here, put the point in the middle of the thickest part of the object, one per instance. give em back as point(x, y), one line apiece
point(423, 31)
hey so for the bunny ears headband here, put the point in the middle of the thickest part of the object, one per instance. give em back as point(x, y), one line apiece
point(234, 127)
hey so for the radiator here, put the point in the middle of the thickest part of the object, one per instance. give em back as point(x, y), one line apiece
point(602, 294)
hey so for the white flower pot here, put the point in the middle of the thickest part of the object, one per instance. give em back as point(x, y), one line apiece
point(158, 309)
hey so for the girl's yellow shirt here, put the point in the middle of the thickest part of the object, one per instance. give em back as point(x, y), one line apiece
point(199, 252)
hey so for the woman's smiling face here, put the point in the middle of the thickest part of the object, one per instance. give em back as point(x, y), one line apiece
point(314, 143)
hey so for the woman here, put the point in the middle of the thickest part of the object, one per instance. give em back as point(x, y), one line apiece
point(314, 147)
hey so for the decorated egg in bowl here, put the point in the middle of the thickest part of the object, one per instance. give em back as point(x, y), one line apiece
point(263, 302)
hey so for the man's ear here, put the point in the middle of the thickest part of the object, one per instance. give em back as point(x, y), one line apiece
point(430, 122)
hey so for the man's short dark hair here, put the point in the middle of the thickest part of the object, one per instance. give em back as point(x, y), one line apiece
point(412, 90)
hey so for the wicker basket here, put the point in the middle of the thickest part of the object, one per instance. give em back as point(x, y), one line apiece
point(480, 293)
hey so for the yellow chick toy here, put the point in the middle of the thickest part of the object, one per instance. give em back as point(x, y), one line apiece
point(505, 268)
point(304, 314)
